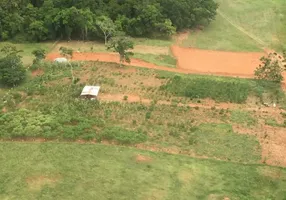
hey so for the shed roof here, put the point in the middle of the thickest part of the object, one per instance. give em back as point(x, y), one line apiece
point(90, 90)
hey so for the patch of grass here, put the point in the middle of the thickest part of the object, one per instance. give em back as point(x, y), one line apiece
point(263, 19)
point(28, 48)
point(223, 89)
point(242, 117)
point(153, 42)
point(161, 60)
point(233, 90)
point(274, 123)
point(123, 136)
point(220, 35)
point(94, 171)
point(219, 141)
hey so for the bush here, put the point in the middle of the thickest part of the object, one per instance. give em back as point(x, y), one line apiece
point(12, 71)
point(123, 136)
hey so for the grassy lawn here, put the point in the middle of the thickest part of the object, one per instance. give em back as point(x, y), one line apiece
point(220, 35)
point(161, 60)
point(262, 19)
point(88, 171)
point(27, 49)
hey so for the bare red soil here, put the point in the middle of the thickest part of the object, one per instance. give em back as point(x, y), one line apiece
point(217, 62)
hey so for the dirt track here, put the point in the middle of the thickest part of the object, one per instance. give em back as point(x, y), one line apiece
point(189, 61)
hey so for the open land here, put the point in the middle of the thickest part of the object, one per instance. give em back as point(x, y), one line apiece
point(184, 120)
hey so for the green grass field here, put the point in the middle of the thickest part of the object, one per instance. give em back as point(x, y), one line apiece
point(94, 171)
point(264, 20)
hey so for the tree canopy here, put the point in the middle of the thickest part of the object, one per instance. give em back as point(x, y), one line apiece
point(39, 20)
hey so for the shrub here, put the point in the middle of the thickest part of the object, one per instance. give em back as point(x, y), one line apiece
point(12, 71)
point(270, 69)
point(148, 115)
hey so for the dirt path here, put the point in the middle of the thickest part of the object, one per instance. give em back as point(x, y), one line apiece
point(190, 61)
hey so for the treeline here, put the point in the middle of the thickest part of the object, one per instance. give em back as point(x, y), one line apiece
point(40, 20)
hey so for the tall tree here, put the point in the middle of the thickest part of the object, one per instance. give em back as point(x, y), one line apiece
point(107, 26)
point(121, 45)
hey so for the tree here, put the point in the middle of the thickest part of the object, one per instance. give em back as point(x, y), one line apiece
point(39, 54)
point(271, 68)
point(121, 45)
point(12, 71)
point(38, 31)
point(107, 26)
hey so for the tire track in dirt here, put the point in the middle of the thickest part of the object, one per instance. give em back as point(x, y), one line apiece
point(256, 39)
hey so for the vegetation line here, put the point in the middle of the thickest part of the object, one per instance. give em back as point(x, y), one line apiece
point(256, 39)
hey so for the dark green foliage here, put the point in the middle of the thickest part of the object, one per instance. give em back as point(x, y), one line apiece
point(123, 136)
point(57, 19)
point(12, 71)
point(204, 87)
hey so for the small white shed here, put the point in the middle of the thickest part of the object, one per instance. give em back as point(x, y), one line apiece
point(90, 92)
point(61, 60)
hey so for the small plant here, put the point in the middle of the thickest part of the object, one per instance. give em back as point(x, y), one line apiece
point(125, 98)
point(221, 112)
point(40, 54)
point(148, 115)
